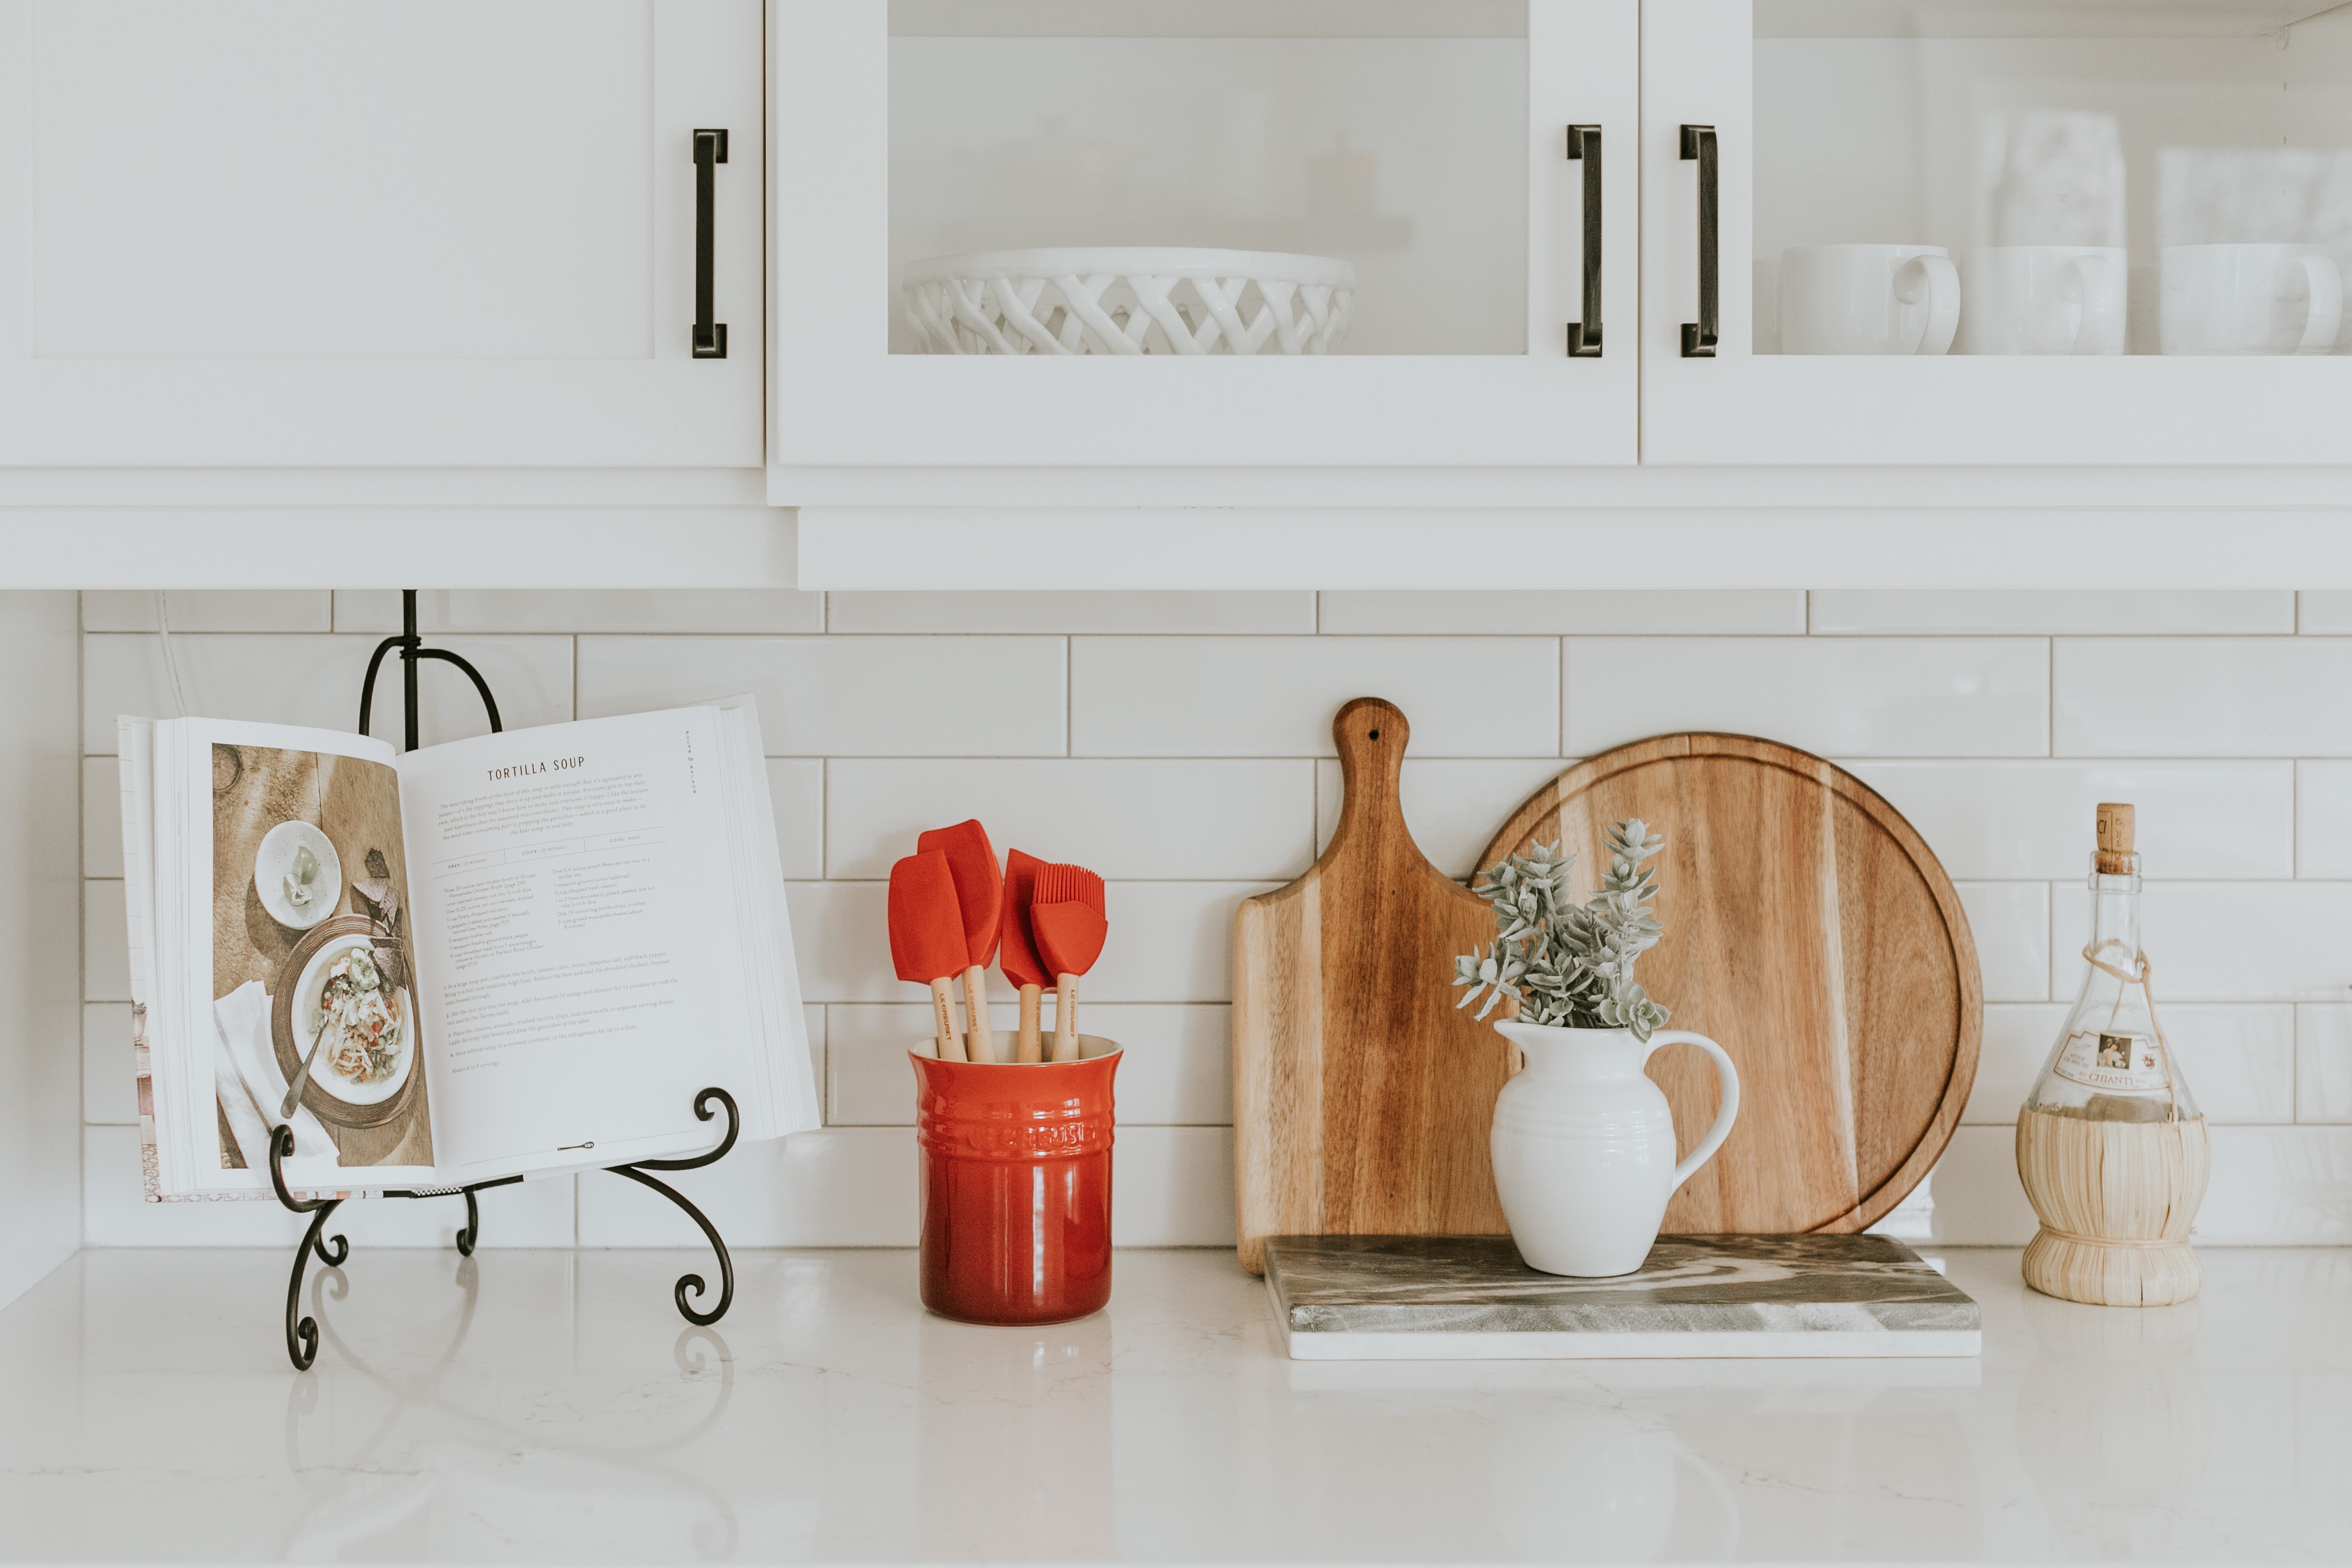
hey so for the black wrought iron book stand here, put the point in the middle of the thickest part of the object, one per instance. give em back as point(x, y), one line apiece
point(303, 1332)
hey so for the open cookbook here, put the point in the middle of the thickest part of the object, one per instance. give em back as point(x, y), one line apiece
point(518, 955)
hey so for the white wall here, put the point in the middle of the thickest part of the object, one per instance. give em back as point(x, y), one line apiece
point(40, 1129)
point(1181, 744)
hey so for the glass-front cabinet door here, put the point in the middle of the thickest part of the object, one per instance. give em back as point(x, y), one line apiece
point(1057, 233)
point(2016, 231)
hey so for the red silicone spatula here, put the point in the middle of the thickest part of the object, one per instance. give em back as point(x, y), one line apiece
point(979, 895)
point(1018, 954)
point(926, 937)
point(1065, 916)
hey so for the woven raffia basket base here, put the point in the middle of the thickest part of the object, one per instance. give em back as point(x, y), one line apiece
point(2115, 1200)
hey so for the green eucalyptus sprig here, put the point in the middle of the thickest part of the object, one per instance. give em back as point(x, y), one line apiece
point(1569, 966)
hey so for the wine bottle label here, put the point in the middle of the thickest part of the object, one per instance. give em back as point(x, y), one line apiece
point(2122, 1062)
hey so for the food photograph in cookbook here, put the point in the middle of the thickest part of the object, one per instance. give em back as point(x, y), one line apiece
point(311, 959)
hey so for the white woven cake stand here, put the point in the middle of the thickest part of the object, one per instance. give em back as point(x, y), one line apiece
point(1129, 299)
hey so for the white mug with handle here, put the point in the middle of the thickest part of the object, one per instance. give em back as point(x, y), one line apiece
point(1868, 299)
point(2043, 299)
point(2251, 299)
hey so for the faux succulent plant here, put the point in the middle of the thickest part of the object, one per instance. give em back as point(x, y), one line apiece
point(1569, 966)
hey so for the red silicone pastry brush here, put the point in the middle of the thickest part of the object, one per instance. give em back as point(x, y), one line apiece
point(1018, 953)
point(926, 937)
point(1066, 914)
point(980, 896)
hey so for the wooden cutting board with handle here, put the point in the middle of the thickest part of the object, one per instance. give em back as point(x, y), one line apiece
point(1361, 1097)
point(1810, 932)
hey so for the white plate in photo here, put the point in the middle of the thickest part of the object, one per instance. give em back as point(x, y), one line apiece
point(275, 859)
point(323, 1072)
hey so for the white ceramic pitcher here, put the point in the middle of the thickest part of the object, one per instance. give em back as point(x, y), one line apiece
point(1584, 1145)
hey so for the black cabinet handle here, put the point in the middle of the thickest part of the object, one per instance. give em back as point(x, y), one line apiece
point(1584, 337)
point(1699, 336)
point(710, 150)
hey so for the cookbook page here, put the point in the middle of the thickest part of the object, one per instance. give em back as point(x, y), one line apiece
point(575, 941)
point(281, 943)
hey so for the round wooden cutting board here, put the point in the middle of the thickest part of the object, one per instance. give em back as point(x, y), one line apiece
point(1810, 932)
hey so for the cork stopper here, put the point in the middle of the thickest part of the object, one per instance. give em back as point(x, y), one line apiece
point(2115, 829)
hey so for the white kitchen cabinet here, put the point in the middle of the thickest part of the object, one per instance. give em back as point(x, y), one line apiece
point(1425, 142)
point(376, 233)
point(2113, 180)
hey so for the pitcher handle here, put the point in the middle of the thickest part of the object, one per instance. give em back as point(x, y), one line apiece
point(1728, 1076)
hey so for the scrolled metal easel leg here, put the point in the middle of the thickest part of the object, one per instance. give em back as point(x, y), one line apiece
point(473, 1231)
point(693, 1284)
point(302, 1333)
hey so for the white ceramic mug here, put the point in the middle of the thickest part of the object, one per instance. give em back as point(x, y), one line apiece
point(2042, 299)
point(1868, 299)
point(2251, 299)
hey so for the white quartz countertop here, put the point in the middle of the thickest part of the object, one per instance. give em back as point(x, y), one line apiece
point(552, 1407)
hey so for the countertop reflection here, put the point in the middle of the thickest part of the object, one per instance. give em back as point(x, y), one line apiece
point(536, 1406)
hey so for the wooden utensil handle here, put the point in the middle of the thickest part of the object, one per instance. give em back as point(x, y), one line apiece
point(943, 1023)
point(1066, 1017)
point(1028, 1049)
point(979, 1038)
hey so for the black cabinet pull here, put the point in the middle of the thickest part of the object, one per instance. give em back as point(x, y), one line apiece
point(1699, 336)
point(1584, 337)
point(710, 150)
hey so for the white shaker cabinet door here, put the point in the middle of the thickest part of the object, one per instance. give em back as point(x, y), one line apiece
point(2010, 235)
point(290, 233)
point(1425, 145)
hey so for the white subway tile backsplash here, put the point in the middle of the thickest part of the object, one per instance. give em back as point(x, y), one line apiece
point(105, 943)
point(2323, 818)
point(1276, 697)
point(1110, 614)
point(701, 609)
point(1995, 819)
point(2052, 612)
point(2278, 1186)
point(315, 680)
point(2325, 613)
point(2221, 941)
point(1171, 819)
point(839, 1186)
point(110, 1083)
point(1170, 941)
point(116, 1213)
point(2323, 1062)
point(1175, 1070)
point(2239, 1057)
point(1453, 806)
point(2200, 697)
point(1975, 1191)
point(797, 796)
point(1893, 697)
point(208, 610)
point(101, 817)
point(854, 697)
point(1180, 743)
point(2272, 1186)
point(1584, 612)
point(2017, 1036)
point(2010, 922)
point(841, 938)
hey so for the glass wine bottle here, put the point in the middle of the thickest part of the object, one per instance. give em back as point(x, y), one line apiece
point(2110, 1145)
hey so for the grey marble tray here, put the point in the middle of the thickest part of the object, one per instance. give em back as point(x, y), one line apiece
point(1418, 1298)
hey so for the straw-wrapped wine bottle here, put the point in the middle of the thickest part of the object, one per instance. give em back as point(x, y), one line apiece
point(2110, 1145)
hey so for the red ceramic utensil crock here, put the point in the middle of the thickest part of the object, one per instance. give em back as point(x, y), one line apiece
point(1016, 1186)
